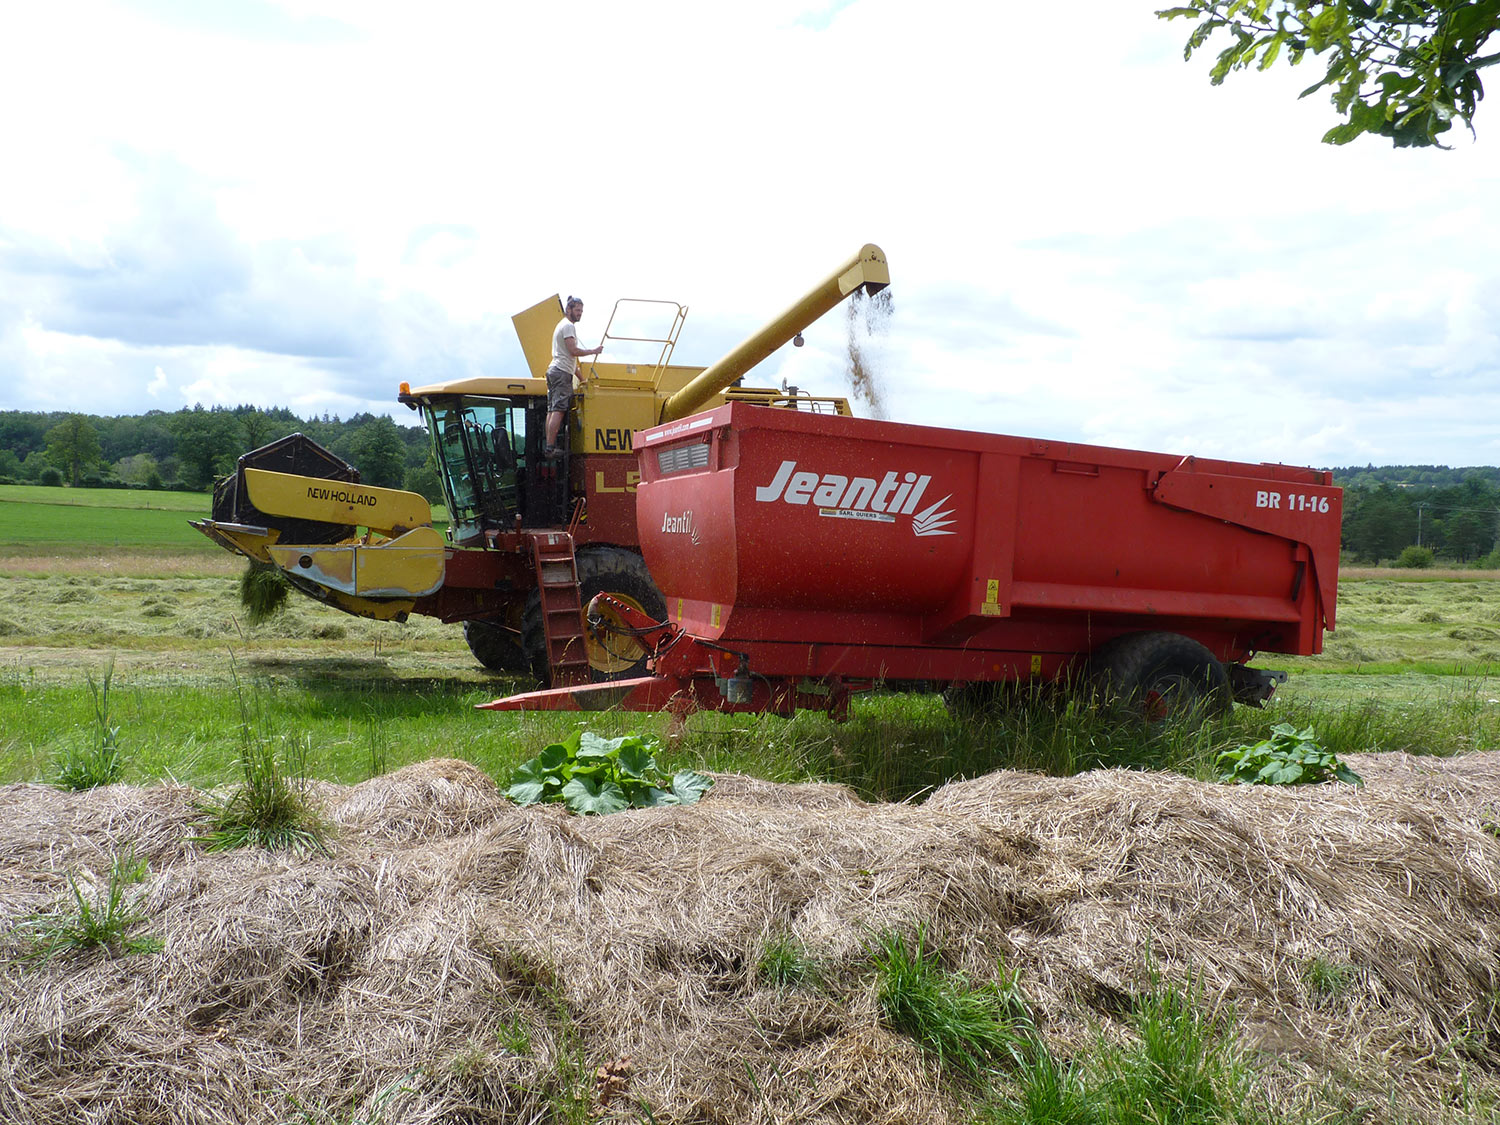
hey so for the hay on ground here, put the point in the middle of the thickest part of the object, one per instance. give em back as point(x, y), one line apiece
point(457, 957)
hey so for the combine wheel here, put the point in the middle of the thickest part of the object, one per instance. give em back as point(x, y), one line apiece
point(496, 647)
point(1161, 676)
point(601, 570)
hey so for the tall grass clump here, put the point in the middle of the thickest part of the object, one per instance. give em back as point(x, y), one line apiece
point(269, 808)
point(99, 761)
point(91, 917)
point(1051, 1091)
point(969, 1027)
point(1185, 1069)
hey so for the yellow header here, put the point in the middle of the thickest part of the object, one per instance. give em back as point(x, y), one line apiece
point(332, 501)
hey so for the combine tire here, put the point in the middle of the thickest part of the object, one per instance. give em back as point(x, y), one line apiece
point(601, 570)
point(1161, 677)
point(497, 648)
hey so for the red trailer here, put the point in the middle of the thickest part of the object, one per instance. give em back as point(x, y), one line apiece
point(806, 556)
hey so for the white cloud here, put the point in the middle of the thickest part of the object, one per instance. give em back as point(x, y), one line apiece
point(303, 203)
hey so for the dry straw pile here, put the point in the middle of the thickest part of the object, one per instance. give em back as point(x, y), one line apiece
point(459, 959)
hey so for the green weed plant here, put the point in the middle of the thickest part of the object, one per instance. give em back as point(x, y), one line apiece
point(91, 919)
point(595, 775)
point(1289, 757)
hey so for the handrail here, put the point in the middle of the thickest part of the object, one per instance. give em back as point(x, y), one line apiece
point(668, 342)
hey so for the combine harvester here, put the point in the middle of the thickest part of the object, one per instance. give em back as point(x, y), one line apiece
point(804, 557)
point(529, 539)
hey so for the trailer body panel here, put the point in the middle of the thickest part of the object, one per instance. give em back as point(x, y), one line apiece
point(935, 547)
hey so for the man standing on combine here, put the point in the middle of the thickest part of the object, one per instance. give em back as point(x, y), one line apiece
point(565, 356)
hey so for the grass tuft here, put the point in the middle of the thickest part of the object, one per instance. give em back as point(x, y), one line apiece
point(269, 808)
point(971, 1028)
point(376, 1111)
point(1184, 1067)
point(100, 761)
point(93, 918)
point(1051, 1092)
point(1328, 980)
point(785, 963)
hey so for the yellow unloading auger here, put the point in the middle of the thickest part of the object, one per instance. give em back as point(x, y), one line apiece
point(866, 271)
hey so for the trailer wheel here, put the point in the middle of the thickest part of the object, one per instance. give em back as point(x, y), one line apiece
point(1161, 676)
point(496, 647)
point(601, 570)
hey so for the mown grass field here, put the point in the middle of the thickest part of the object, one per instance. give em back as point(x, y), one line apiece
point(1413, 666)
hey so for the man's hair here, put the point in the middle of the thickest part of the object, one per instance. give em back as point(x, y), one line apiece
point(571, 301)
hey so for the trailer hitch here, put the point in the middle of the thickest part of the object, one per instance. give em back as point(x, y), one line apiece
point(674, 651)
point(689, 673)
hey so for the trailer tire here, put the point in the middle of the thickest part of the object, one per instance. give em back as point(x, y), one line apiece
point(499, 649)
point(601, 570)
point(1161, 677)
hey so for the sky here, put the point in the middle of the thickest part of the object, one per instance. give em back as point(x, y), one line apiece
point(303, 204)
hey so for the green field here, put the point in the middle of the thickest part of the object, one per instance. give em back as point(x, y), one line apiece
point(99, 579)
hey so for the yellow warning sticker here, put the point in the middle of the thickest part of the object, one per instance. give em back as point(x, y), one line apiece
point(715, 616)
point(1036, 665)
point(990, 607)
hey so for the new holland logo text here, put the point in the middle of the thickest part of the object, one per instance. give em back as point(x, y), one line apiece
point(342, 495)
point(680, 525)
point(860, 498)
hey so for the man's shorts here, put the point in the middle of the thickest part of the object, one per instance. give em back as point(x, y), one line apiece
point(559, 390)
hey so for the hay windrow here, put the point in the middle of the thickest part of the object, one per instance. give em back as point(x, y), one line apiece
point(458, 957)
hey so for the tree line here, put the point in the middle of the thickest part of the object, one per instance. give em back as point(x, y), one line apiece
point(1451, 514)
point(1389, 515)
point(188, 449)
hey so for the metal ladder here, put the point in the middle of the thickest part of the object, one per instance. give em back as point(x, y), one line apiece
point(562, 609)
